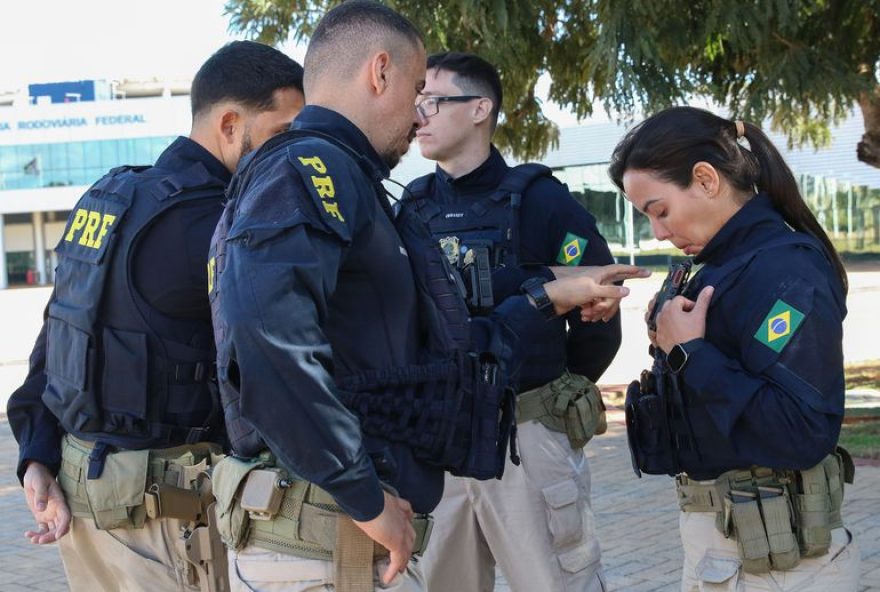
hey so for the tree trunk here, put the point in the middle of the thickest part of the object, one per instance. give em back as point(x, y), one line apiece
point(869, 148)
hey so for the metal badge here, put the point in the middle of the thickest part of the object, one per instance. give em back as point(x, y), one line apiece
point(450, 246)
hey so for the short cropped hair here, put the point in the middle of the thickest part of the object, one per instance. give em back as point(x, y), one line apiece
point(345, 34)
point(473, 75)
point(244, 72)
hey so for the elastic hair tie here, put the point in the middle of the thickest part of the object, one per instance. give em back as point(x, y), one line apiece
point(740, 128)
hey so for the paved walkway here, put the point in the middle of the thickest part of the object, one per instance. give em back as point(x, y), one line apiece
point(637, 520)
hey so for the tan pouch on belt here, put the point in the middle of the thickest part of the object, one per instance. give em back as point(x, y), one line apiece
point(117, 497)
point(226, 480)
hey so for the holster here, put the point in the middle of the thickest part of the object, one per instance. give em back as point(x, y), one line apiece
point(648, 431)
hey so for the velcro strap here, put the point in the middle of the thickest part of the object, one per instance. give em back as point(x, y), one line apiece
point(352, 558)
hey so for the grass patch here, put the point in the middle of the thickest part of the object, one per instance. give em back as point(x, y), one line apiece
point(862, 440)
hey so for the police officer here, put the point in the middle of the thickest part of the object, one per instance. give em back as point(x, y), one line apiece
point(120, 402)
point(750, 367)
point(317, 288)
point(536, 523)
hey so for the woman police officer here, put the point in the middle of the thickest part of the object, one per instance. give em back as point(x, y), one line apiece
point(751, 365)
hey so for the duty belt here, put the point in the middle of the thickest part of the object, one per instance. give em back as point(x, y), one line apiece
point(571, 405)
point(310, 524)
point(775, 516)
point(170, 488)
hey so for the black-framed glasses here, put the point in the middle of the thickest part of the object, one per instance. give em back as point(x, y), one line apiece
point(430, 106)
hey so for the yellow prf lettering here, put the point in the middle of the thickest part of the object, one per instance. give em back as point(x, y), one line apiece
point(315, 162)
point(324, 186)
point(88, 234)
point(79, 220)
point(211, 264)
point(333, 210)
point(106, 221)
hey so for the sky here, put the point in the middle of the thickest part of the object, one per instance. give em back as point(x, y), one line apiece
point(54, 40)
point(58, 40)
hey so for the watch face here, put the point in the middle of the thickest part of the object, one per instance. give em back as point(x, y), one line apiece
point(676, 358)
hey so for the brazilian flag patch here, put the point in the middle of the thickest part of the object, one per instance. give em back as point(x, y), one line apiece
point(572, 250)
point(779, 325)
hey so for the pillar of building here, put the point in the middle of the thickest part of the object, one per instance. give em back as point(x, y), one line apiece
point(4, 275)
point(40, 247)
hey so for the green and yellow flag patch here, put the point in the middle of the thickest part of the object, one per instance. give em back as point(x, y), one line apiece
point(572, 250)
point(779, 325)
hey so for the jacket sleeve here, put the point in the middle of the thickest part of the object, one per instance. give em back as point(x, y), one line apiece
point(590, 347)
point(35, 427)
point(276, 286)
point(779, 394)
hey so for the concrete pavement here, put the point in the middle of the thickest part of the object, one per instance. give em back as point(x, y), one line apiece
point(637, 521)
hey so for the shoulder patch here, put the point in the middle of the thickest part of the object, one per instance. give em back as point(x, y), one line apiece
point(780, 324)
point(572, 250)
point(323, 172)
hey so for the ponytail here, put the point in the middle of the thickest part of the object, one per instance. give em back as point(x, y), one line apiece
point(777, 181)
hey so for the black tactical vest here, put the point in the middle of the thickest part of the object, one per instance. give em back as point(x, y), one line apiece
point(120, 372)
point(453, 390)
point(492, 221)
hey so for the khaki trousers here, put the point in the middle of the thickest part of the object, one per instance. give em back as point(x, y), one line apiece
point(129, 559)
point(711, 563)
point(536, 524)
point(256, 569)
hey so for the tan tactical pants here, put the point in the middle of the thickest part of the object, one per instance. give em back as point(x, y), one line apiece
point(711, 563)
point(256, 569)
point(536, 524)
point(129, 559)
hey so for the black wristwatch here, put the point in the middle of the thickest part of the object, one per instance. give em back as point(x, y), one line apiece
point(677, 358)
point(534, 289)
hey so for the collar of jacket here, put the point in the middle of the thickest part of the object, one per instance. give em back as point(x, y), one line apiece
point(334, 124)
point(183, 152)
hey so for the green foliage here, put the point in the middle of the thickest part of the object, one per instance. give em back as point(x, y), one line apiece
point(800, 63)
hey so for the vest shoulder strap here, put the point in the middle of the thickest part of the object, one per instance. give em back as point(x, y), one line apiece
point(518, 179)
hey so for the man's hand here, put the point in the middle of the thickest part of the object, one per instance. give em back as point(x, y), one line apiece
point(393, 530)
point(46, 502)
point(682, 320)
point(592, 289)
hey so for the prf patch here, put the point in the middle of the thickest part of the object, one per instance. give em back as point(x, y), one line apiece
point(779, 325)
point(322, 184)
point(89, 229)
point(212, 270)
point(572, 250)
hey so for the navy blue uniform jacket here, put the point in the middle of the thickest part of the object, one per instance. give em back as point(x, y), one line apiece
point(318, 285)
point(765, 386)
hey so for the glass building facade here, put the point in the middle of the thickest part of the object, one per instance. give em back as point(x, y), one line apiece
point(33, 166)
point(849, 212)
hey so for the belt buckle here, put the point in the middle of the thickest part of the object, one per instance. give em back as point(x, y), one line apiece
point(429, 528)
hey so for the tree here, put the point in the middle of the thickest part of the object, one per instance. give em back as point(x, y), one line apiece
point(803, 64)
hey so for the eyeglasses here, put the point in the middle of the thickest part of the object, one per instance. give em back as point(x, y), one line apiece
point(430, 106)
